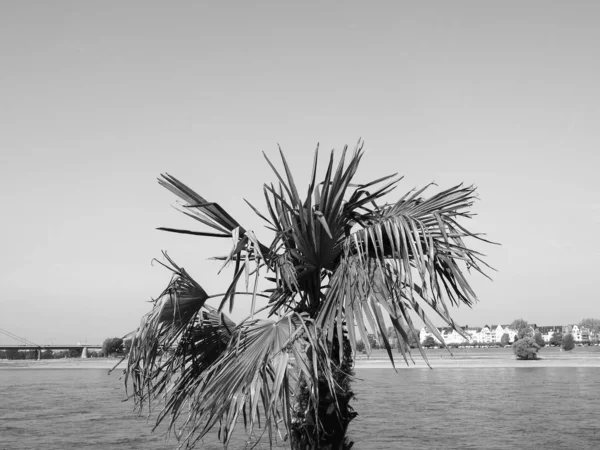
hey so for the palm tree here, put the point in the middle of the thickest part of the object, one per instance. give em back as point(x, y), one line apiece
point(340, 264)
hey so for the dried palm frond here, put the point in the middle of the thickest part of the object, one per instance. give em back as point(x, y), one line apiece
point(174, 315)
point(252, 370)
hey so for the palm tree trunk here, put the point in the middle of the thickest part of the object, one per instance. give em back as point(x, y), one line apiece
point(333, 424)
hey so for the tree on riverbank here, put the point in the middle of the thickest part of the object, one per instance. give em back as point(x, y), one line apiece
point(526, 348)
point(16, 354)
point(341, 258)
point(13, 353)
point(429, 342)
point(556, 339)
point(112, 346)
point(539, 340)
point(523, 328)
point(568, 342)
point(591, 324)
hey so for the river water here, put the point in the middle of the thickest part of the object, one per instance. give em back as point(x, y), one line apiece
point(472, 408)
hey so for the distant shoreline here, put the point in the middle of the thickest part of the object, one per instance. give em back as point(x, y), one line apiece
point(63, 363)
point(482, 358)
point(438, 359)
point(457, 363)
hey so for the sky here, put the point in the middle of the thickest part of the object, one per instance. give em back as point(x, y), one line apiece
point(100, 98)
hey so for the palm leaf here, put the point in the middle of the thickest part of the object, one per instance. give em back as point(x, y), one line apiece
point(257, 373)
point(197, 207)
point(173, 315)
point(405, 256)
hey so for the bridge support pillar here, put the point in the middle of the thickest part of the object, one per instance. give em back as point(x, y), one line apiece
point(38, 354)
point(84, 352)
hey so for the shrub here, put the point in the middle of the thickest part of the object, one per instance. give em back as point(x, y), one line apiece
point(111, 346)
point(539, 340)
point(429, 342)
point(568, 343)
point(556, 339)
point(526, 348)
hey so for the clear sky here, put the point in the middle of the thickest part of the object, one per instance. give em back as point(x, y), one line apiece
point(98, 98)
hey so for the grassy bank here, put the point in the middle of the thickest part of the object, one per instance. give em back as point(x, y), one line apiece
point(438, 359)
point(485, 357)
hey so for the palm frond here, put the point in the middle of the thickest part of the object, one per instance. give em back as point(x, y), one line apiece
point(311, 230)
point(172, 316)
point(198, 208)
point(197, 350)
point(406, 256)
point(260, 370)
point(245, 245)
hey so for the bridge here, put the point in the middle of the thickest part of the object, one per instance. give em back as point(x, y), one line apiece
point(25, 344)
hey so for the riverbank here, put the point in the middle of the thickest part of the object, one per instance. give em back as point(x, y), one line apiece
point(438, 359)
point(62, 363)
point(482, 358)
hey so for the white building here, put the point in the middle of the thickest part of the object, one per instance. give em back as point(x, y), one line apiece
point(575, 330)
point(488, 335)
point(500, 330)
point(549, 331)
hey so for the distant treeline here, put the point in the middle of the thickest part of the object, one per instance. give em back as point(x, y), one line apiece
point(15, 353)
point(110, 347)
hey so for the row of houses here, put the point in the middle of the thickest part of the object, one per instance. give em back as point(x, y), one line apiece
point(492, 334)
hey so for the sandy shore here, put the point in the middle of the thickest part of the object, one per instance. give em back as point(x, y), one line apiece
point(458, 363)
point(438, 359)
point(63, 363)
point(481, 358)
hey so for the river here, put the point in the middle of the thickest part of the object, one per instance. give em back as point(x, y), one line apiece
point(447, 408)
